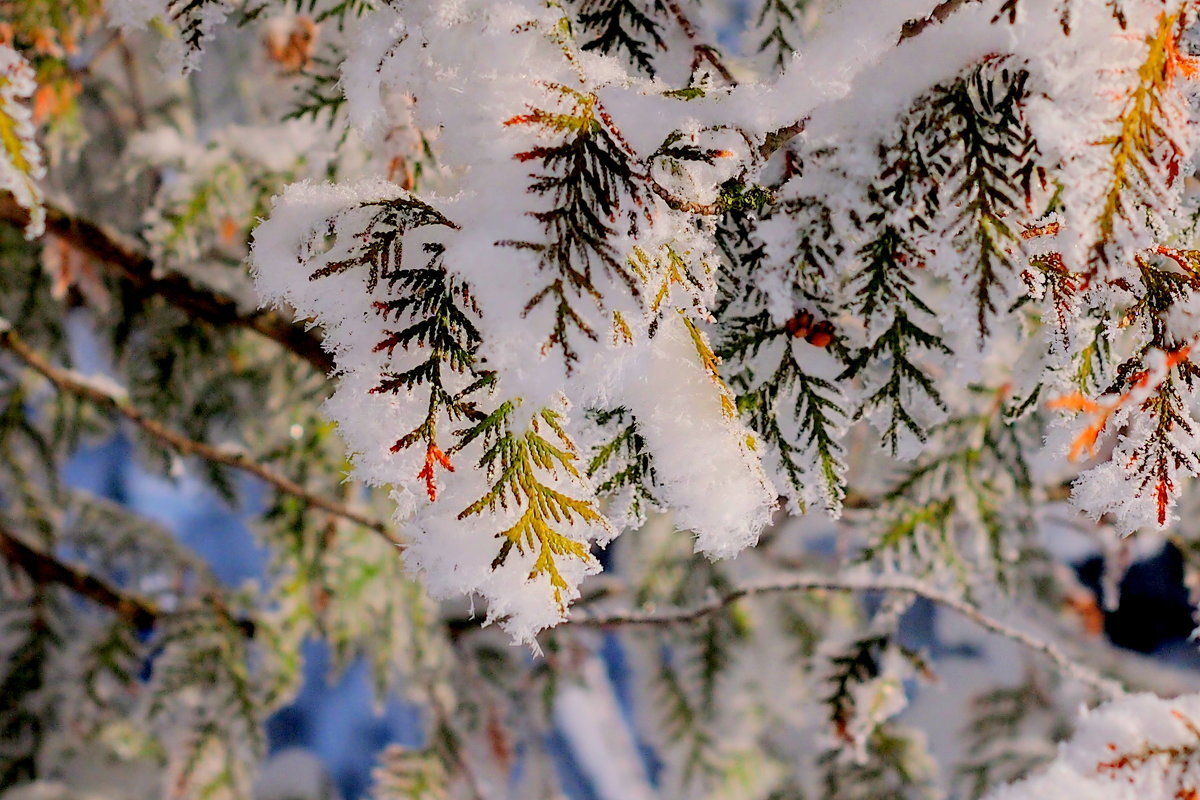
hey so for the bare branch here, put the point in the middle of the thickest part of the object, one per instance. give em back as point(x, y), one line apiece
point(888, 583)
point(714, 209)
point(125, 261)
point(71, 383)
point(138, 611)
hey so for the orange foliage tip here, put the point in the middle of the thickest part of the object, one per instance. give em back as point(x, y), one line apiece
point(1075, 402)
point(522, 119)
point(1083, 604)
point(1088, 437)
point(1036, 231)
point(52, 100)
point(433, 456)
point(230, 230)
point(45, 42)
point(1163, 496)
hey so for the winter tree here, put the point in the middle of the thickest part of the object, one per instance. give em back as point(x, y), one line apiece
point(624, 378)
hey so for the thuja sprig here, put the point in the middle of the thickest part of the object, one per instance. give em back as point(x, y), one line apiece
point(976, 479)
point(1158, 459)
point(883, 282)
point(321, 94)
point(1147, 388)
point(814, 404)
point(623, 463)
point(985, 154)
point(711, 363)
point(194, 20)
point(624, 27)
point(862, 661)
point(997, 736)
point(783, 26)
point(1144, 143)
point(380, 245)
point(1177, 762)
point(1008, 10)
point(440, 312)
point(586, 177)
point(660, 272)
point(520, 464)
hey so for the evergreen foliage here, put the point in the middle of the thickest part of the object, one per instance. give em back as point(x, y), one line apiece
point(587, 181)
point(600, 286)
point(523, 466)
point(881, 285)
point(625, 28)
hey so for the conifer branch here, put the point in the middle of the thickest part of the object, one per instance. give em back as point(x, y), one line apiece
point(42, 567)
point(127, 263)
point(67, 382)
point(612, 26)
point(876, 583)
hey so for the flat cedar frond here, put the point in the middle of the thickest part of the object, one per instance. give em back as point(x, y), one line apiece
point(623, 463)
point(195, 20)
point(814, 403)
point(203, 655)
point(586, 178)
point(519, 465)
point(659, 273)
point(1144, 150)
point(1058, 285)
point(782, 26)
point(1008, 9)
point(884, 283)
point(856, 665)
point(1157, 460)
point(381, 244)
point(1177, 764)
point(966, 486)
point(441, 314)
point(986, 152)
point(622, 27)
point(1147, 390)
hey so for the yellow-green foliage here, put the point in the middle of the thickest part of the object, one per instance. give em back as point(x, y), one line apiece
point(1143, 135)
point(520, 464)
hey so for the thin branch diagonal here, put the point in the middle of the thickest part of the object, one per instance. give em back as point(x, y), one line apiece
point(817, 583)
point(70, 383)
point(42, 567)
point(126, 262)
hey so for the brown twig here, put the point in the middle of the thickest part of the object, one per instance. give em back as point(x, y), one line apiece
point(70, 383)
point(817, 583)
point(714, 209)
point(939, 15)
point(138, 611)
point(124, 260)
